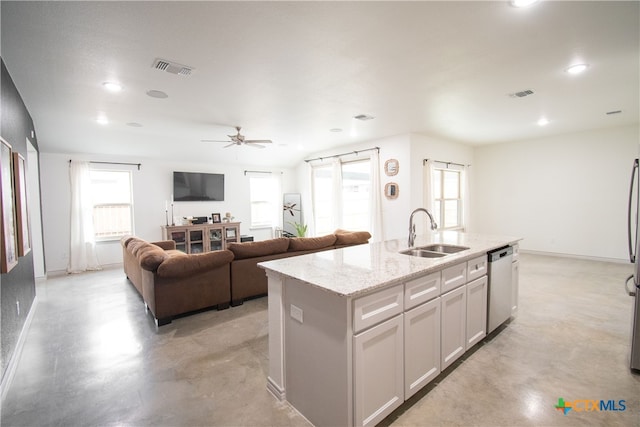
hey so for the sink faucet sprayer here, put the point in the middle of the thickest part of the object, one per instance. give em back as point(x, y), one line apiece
point(412, 227)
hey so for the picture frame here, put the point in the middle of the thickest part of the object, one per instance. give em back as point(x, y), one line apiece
point(391, 190)
point(230, 233)
point(23, 224)
point(216, 218)
point(8, 246)
point(391, 167)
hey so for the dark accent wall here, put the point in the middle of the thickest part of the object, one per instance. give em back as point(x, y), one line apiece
point(18, 285)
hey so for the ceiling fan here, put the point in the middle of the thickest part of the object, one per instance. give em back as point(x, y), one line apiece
point(238, 139)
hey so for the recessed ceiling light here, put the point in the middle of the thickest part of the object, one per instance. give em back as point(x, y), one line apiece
point(335, 130)
point(102, 120)
point(157, 94)
point(609, 113)
point(134, 124)
point(523, 3)
point(112, 86)
point(363, 117)
point(577, 68)
point(543, 121)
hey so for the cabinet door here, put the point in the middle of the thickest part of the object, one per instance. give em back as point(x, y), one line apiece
point(214, 238)
point(476, 311)
point(453, 318)
point(421, 346)
point(515, 285)
point(196, 241)
point(180, 237)
point(378, 371)
point(231, 234)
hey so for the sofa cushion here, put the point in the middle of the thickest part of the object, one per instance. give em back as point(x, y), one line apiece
point(311, 243)
point(151, 256)
point(179, 266)
point(261, 248)
point(344, 237)
point(124, 241)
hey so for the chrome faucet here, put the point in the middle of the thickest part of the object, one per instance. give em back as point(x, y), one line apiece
point(412, 227)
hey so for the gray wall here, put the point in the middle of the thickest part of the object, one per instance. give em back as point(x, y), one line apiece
point(18, 285)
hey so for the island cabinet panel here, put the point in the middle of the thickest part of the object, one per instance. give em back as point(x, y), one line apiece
point(378, 371)
point(476, 311)
point(453, 328)
point(317, 351)
point(421, 346)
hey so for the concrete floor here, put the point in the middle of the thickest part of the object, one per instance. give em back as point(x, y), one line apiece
point(93, 357)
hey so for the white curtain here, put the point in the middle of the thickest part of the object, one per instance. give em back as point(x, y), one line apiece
point(376, 206)
point(428, 185)
point(82, 248)
point(337, 191)
point(309, 218)
point(464, 176)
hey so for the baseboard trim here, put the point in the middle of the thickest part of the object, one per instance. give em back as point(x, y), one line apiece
point(12, 366)
point(275, 390)
point(574, 256)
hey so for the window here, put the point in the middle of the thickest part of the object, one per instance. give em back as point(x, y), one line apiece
point(447, 198)
point(342, 196)
point(264, 194)
point(111, 197)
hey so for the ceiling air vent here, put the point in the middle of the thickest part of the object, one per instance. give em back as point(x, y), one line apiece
point(172, 67)
point(521, 94)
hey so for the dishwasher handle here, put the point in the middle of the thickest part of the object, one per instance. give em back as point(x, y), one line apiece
point(497, 254)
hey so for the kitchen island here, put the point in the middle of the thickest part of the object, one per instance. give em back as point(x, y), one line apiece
point(354, 332)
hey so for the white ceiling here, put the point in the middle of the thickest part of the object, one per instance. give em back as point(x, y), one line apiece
point(291, 71)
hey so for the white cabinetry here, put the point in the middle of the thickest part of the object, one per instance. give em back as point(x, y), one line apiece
point(476, 311)
point(453, 327)
point(421, 346)
point(515, 286)
point(378, 371)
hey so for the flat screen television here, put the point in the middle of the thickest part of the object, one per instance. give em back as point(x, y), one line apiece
point(198, 187)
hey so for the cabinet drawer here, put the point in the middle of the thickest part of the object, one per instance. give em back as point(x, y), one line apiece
point(476, 267)
point(454, 276)
point(377, 307)
point(421, 290)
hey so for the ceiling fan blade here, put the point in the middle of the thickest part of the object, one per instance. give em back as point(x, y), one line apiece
point(212, 140)
point(258, 141)
point(230, 145)
point(255, 145)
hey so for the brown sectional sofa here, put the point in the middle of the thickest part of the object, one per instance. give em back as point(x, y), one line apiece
point(248, 280)
point(172, 283)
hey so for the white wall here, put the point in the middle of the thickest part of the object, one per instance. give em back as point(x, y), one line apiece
point(152, 186)
point(565, 194)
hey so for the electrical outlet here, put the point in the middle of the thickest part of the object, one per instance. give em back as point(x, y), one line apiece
point(296, 313)
point(18, 307)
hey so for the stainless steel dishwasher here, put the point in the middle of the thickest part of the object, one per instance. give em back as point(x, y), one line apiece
point(500, 284)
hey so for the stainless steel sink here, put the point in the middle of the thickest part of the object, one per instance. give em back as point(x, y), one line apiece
point(444, 248)
point(434, 251)
point(422, 253)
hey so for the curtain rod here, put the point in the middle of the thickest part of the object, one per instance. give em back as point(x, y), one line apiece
point(117, 163)
point(344, 154)
point(446, 163)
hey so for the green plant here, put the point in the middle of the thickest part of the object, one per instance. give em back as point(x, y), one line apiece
point(301, 229)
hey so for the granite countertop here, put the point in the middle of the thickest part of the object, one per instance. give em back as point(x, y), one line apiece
point(357, 270)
